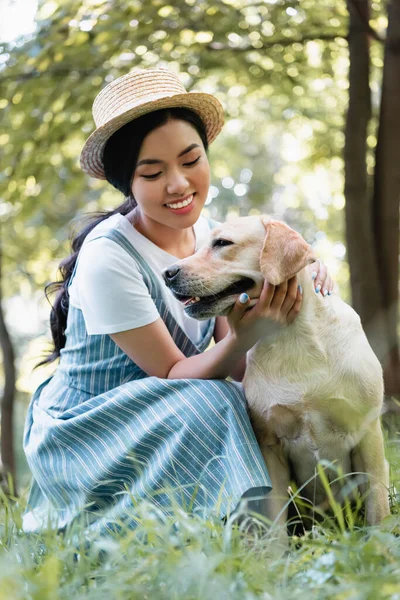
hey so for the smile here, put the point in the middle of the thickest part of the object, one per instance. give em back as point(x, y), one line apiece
point(182, 203)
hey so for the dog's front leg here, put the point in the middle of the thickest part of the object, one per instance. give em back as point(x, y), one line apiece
point(369, 457)
point(275, 503)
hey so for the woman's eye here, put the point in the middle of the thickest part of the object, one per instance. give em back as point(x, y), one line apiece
point(151, 176)
point(189, 164)
point(220, 242)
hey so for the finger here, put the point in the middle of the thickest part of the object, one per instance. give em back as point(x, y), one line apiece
point(279, 297)
point(319, 281)
point(294, 311)
point(240, 306)
point(313, 269)
point(319, 274)
point(327, 287)
point(242, 302)
point(332, 285)
point(290, 298)
point(267, 294)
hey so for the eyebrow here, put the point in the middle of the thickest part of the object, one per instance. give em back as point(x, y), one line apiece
point(153, 161)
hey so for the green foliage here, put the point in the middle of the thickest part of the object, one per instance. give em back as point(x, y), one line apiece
point(275, 66)
point(183, 557)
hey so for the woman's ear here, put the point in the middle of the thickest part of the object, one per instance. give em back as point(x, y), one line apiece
point(284, 252)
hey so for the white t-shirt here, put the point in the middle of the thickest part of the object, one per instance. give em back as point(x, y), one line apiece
point(109, 288)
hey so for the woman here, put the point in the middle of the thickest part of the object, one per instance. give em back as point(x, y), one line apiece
point(136, 408)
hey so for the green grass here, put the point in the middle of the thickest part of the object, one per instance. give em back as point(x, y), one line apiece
point(182, 557)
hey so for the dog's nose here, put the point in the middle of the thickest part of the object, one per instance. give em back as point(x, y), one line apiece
point(171, 273)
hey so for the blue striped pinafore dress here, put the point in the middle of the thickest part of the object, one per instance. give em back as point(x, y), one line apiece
point(100, 434)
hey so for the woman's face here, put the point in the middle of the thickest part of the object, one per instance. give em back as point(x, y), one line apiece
point(172, 167)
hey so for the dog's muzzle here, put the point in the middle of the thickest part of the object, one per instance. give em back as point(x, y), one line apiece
point(191, 294)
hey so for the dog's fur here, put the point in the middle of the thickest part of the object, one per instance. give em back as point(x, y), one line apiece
point(315, 388)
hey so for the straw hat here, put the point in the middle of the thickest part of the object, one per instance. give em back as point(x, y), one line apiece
point(135, 94)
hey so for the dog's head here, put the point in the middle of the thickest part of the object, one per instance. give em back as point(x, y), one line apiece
point(237, 257)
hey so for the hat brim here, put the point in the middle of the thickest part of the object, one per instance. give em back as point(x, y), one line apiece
point(206, 106)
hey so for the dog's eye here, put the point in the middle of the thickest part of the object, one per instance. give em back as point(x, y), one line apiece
point(220, 242)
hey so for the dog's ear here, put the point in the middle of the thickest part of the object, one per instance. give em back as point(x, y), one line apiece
point(284, 252)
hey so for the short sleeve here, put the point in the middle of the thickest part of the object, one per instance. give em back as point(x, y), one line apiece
point(110, 289)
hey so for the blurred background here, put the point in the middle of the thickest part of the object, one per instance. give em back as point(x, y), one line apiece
point(311, 92)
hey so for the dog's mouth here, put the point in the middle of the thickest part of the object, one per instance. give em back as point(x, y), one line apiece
point(235, 288)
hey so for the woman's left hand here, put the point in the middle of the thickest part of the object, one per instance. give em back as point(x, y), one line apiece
point(323, 283)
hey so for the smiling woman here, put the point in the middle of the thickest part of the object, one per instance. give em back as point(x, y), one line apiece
point(117, 416)
point(178, 184)
point(174, 183)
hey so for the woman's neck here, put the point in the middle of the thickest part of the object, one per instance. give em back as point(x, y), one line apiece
point(178, 242)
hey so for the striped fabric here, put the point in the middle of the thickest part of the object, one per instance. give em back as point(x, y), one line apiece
point(100, 434)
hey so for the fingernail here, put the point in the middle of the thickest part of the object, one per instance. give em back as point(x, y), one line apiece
point(300, 288)
point(314, 274)
point(329, 293)
point(243, 298)
point(325, 292)
point(318, 289)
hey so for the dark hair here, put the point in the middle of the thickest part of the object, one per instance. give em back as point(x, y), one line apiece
point(119, 158)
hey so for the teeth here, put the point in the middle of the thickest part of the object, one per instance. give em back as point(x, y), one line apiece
point(182, 204)
point(192, 301)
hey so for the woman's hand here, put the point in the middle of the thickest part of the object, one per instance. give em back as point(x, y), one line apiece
point(322, 281)
point(251, 320)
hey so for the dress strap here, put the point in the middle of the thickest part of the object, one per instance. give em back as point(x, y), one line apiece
point(149, 276)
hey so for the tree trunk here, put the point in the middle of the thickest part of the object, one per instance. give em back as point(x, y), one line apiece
point(387, 194)
point(364, 277)
point(7, 466)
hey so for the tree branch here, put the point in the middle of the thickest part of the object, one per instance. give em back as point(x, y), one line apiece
point(283, 41)
point(212, 46)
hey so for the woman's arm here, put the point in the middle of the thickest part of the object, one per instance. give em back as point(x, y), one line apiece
point(152, 348)
point(221, 330)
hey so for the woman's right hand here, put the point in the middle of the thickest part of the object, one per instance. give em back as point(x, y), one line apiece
point(257, 318)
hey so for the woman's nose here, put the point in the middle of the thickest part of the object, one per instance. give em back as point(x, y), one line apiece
point(177, 183)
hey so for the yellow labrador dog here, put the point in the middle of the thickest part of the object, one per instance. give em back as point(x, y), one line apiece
point(315, 390)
